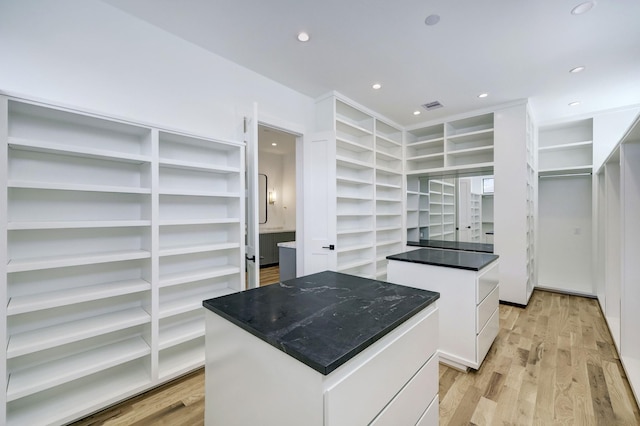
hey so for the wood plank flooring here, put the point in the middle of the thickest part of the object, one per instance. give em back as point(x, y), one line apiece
point(552, 363)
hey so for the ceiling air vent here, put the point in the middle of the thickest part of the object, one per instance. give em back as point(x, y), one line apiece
point(432, 105)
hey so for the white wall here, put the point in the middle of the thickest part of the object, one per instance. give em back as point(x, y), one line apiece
point(565, 229)
point(87, 54)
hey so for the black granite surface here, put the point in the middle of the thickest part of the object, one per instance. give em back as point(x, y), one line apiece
point(453, 245)
point(473, 261)
point(324, 319)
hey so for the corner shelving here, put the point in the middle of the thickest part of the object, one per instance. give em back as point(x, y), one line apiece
point(115, 233)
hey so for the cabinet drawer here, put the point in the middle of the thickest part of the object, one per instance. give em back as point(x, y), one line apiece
point(407, 407)
point(431, 416)
point(487, 280)
point(377, 381)
point(488, 335)
point(486, 308)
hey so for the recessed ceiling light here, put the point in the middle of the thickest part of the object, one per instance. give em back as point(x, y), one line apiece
point(583, 8)
point(376, 86)
point(432, 20)
point(302, 36)
point(575, 103)
point(483, 95)
point(274, 144)
point(416, 112)
point(576, 69)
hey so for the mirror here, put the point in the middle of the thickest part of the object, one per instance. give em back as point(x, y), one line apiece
point(262, 197)
point(450, 208)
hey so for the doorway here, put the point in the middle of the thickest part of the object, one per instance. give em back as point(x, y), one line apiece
point(277, 204)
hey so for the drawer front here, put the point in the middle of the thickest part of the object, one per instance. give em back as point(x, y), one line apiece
point(362, 394)
point(431, 416)
point(488, 279)
point(412, 401)
point(486, 308)
point(488, 335)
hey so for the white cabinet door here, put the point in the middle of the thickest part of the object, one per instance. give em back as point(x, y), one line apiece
point(319, 168)
point(253, 237)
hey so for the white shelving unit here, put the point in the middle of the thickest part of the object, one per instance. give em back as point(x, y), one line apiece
point(442, 209)
point(532, 206)
point(106, 222)
point(565, 215)
point(476, 217)
point(618, 234)
point(389, 194)
point(566, 148)
point(458, 145)
point(369, 201)
point(418, 209)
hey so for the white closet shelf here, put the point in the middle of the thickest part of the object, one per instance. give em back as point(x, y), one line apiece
point(354, 264)
point(354, 231)
point(355, 214)
point(387, 243)
point(198, 193)
point(353, 164)
point(353, 125)
point(389, 170)
point(426, 156)
point(202, 248)
point(587, 168)
point(388, 214)
point(46, 262)
point(389, 157)
point(91, 395)
point(389, 200)
point(388, 185)
point(351, 145)
point(77, 224)
point(349, 248)
point(470, 135)
point(76, 151)
point(389, 228)
point(77, 187)
point(177, 363)
point(354, 197)
point(189, 304)
point(354, 180)
point(386, 138)
point(184, 222)
point(561, 147)
point(180, 333)
point(203, 167)
point(467, 151)
point(178, 278)
point(53, 299)
point(45, 376)
point(60, 334)
point(425, 142)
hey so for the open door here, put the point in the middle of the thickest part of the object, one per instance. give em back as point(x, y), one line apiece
point(464, 210)
point(253, 237)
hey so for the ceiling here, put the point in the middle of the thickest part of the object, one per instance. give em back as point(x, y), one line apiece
point(510, 49)
point(275, 141)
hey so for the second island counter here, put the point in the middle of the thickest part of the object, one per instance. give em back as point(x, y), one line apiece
point(469, 295)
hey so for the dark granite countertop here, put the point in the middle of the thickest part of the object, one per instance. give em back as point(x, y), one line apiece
point(324, 319)
point(473, 261)
point(453, 245)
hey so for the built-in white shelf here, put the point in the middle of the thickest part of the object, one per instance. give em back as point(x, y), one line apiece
point(56, 372)
point(52, 299)
point(116, 233)
point(56, 335)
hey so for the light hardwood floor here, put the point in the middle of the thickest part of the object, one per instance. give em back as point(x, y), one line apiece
point(552, 363)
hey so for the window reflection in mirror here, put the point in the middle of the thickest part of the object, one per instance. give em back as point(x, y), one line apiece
point(450, 208)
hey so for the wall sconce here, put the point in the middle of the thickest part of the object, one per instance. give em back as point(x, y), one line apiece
point(272, 197)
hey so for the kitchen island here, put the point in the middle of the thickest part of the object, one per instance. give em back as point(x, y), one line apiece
point(324, 349)
point(469, 295)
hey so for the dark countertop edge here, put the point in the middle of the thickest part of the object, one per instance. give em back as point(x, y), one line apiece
point(337, 363)
point(437, 245)
point(446, 265)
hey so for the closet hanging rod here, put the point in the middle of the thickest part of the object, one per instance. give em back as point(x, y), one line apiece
point(565, 175)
